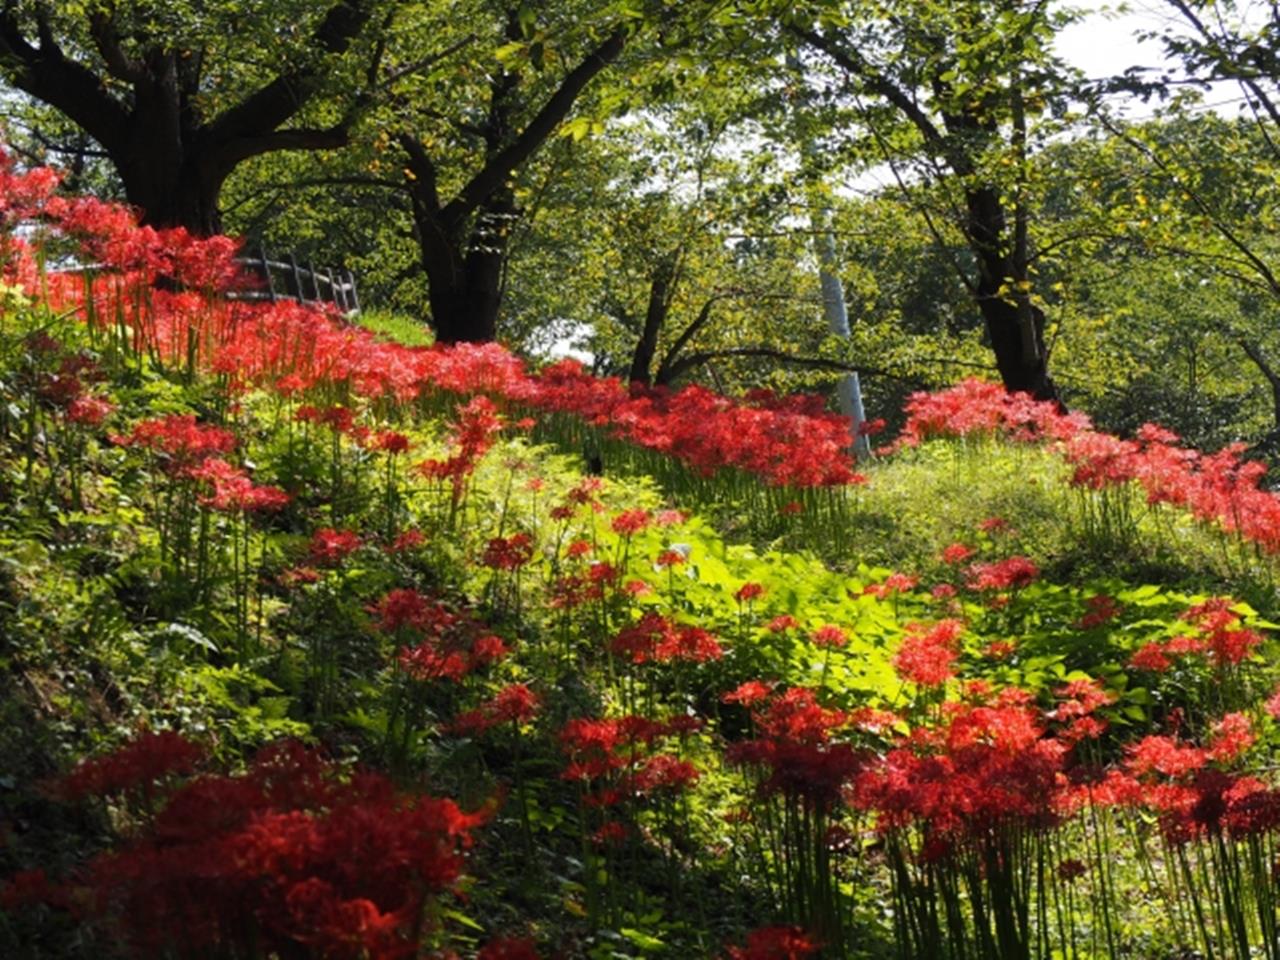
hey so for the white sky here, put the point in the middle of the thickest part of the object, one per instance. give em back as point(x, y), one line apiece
point(1104, 44)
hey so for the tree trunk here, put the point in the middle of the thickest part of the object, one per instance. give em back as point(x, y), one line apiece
point(655, 318)
point(464, 273)
point(170, 188)
point(1015, 326)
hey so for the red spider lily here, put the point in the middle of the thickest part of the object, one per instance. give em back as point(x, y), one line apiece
point(775, 943)
point(596, 747)
point(956, 553)
point(90, 411)
point(572, 591)
point(408, 540)
point(782, 622)
point(655, 639)
point(830, 636)
point(1012, 573)
point(998, 649)
point(1100, 609)
point(630, 522)
point(1231, 736)
point(233, 490)
point(749, 591)
point(639, 642)
point(427, 662)
point(670, 558)
point(507, 948)
point(1272, 706)
point(508, 553)
point(1152, 657)
point(344, 867)
point(578, 548)
point(1080, 698)
point(405, 607)
point(748, 693)
point(139, 764)
point(663, 772)
point(991, 765)
point(1164, 755)
point(894, 583)
point(602, 573)
point(329, 547)
point(611, 833)
point(390, 442)
point(795, 751)
point(928, 652)
point(512, 704)
point(180, 437)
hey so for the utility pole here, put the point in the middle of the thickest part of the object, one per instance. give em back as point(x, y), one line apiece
point(834, 308)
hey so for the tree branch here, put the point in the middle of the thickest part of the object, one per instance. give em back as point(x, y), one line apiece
point(854, 64)
point(507, 160)
point(107, 42)
point(278, 100)
point(47, 74)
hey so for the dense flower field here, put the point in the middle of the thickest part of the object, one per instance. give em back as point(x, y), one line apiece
point(319, 648)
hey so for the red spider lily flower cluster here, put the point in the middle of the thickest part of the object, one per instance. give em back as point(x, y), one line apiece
point(1219, 635)
point(749, 591)
point(1220, 487)
point(390, 441)
point(829, 635)
point(508, 553)
point(451, 643)
point(137, 766)
point(616, 754)
point(265, 344)
point(654, 639)
point(512, 704)
point(794, 750)
point(1012, 573)
point(289, 856)
point(329, 547)
point(928, 652)
point(234, 490)
point(630, 522)
point(179, 437)
point(775, 943)
point(90, 411)
point(990, 765)
point(893, 584)
point(1100, 609)
point(472, 434)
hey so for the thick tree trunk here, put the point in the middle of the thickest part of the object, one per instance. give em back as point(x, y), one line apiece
point(170, 188)
point(464, 274)
point(1015, 326)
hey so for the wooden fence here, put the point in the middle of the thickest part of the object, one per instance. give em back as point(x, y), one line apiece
point(281, 280)
point(290, 280)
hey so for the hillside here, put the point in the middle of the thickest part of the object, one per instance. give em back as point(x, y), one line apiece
point(318, 644)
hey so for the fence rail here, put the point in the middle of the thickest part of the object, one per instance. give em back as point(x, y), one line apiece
point(290, 280)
